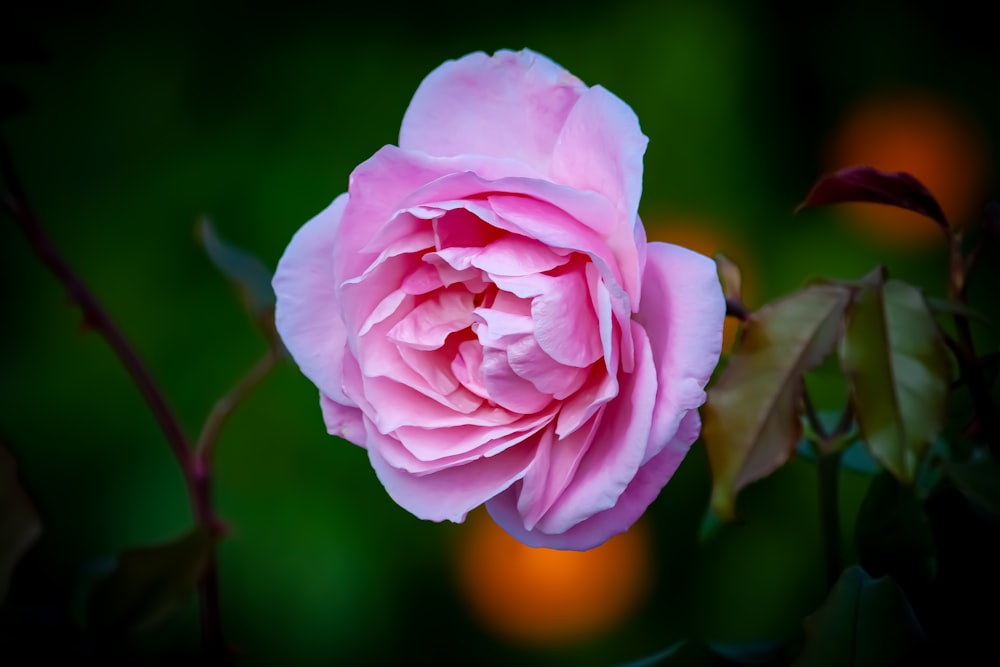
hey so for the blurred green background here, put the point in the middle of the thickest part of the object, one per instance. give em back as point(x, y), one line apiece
point(147, 116)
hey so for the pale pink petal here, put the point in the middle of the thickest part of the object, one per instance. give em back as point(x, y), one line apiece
point(600, 149)
point(617, 451)
point(394, 302)
point(522, 99)
point(343, 421)
point(597, 529)
point(394, 405)
point(529, 361)
point(377, 188)
point(455, 256)
point(428, 325)
point(307, 311)
point(465, 367)
point(497, 328)
point(506, 388)
point(550, 225)
point(540, 219)
point(420, 450)
point(365, 303)
point(429, 366)
point(682, 312)
point(379, 358)
point(384, 187)
point(588, 212)
point(598, 389)
point(601, 302)
point(515, 255)
point(551, 471)
point(566, 326)
point(425, 278)
point(450, 493)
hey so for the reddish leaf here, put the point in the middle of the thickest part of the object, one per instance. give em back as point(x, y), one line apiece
point(866, 184)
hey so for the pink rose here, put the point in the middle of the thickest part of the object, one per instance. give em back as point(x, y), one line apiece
point(482, 313)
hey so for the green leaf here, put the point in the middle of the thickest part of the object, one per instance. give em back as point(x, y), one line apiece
point(151, 582)
point(20, 525)
point(864, 622)
point(658, 657)
point(899, 369)
point(893, 533)
point(250, 277)
point(752, 416)
point(978, 480)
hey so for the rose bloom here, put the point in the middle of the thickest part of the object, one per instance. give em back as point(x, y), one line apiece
point(482, 313)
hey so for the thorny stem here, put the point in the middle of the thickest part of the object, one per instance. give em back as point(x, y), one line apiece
point(195, 464)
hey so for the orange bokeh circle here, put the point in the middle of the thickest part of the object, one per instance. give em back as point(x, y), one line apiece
point(923, 134)
point(546, 597)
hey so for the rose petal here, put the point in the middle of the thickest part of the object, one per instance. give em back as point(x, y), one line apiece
point(450, 493)
point(597, 529)
point(566, 326)
point(617, 450)
point(307, 311)
point(342, 421)
point(428, 325)
point(529, 361)
point(552, 471)
point(515, 255)
point(508, 389)
point(523, 98)
point(465, 367)
point(599, 388)
point(420, 450)
point(600, 148)
point(682, 312)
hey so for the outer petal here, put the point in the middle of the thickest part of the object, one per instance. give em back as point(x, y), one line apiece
point(617, 450)
point(682, 311)
point(510, 105)
point(450, 493)
point(641, 491)
point(600, 149)
point(307, 311)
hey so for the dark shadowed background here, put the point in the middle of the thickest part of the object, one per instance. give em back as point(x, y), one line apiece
point(140, 119)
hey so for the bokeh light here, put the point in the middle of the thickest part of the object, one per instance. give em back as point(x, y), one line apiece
point(548, 597)
point(922, 133)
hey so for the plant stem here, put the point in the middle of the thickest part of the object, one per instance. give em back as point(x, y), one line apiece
point(224, 406)
point(94, 315)
point(828, 455)
point(828, 465)
point(194, 466)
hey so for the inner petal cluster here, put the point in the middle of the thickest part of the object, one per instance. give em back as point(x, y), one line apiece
point(470, 325)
